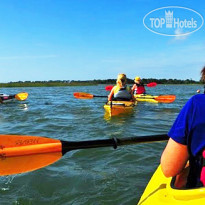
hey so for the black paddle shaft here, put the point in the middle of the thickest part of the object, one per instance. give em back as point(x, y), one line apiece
point(99, 96)
point(114, 142)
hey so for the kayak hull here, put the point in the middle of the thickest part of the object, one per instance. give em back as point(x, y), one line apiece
point(160, 192)
point(5, 97)
point(119, 107)
point(145, 98)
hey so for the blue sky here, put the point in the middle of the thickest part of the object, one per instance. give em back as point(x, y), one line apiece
point(91, 39)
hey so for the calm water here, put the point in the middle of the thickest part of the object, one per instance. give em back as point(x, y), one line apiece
point(92, 176)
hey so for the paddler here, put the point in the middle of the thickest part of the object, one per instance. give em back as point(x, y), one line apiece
point(121, 92)
point(138, 87)
point(187, 144)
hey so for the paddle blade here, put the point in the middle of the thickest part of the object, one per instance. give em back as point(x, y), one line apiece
point(109, 87)
point(21, 96)
point(19, 154)
point(21, 164)
point(165, 98)
point(153, 84)
point(81, 95)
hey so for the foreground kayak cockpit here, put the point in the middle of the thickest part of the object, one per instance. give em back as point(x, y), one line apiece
point(159, 191)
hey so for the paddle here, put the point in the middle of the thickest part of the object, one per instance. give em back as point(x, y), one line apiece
point(160, 98)
point(20, 96)
point(109, 87)
point(19, 154)
point(81, 95)
point(165, 98)
point(153, 84)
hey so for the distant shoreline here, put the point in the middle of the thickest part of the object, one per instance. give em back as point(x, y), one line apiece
point(92, 82)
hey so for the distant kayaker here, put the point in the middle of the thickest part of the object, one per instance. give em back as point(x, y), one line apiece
point(121, 91)
point(138, 87)
point(187, 144)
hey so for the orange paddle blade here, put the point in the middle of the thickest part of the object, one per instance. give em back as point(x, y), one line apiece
point(165, 98)
point(20, 154)
point(27, 163)
point(81, 95)
point(21, 96)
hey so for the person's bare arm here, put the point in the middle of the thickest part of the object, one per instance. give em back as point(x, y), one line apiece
point(133, 87)
point(174, 158)
point(111, 94)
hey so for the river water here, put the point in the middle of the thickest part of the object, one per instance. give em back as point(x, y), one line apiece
point(98, 176)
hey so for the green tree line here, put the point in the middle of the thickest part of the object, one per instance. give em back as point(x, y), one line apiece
point(52, 83)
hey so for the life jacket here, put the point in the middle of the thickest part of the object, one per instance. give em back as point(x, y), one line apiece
point(122, 93)
point(139, 89)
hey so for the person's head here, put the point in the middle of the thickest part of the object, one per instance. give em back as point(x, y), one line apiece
point(137, 79)
point(121, 79)
point(203, 74)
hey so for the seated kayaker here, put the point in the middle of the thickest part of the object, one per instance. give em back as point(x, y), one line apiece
point(138, 87)
point(183, 156)
point(121, 92)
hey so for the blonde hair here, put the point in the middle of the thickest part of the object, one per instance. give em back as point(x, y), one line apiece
point(203, 74)
point(121, 80)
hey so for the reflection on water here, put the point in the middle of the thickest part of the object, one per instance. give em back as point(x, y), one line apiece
point(118, 119)
point(5, 183)
point(23, 106)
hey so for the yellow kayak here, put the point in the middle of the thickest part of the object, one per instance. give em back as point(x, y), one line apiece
point(119, 107)
point(155, 99)
point(160, 192)
point(146, 98)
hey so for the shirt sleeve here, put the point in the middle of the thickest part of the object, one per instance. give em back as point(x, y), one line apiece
point(180, 129)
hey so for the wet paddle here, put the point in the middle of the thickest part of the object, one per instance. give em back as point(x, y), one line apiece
point(153, 84)
point(165, 98)
point(21, 96)
point(81, 95)
point(19, 154)
point(160, 98)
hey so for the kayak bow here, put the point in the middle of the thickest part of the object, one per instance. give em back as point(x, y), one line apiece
point(159, 191)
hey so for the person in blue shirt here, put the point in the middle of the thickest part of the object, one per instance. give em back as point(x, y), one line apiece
point(182, 156)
